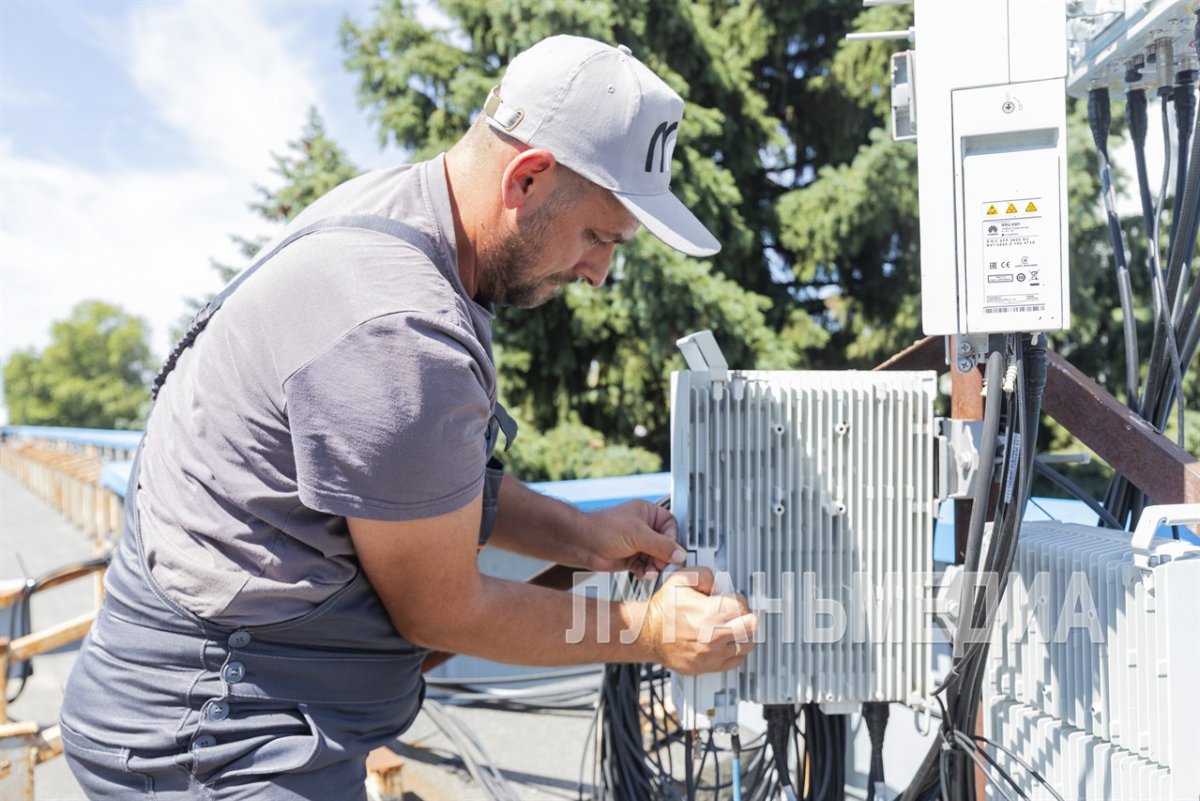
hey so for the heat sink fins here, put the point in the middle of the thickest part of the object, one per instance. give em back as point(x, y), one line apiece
point(815, 492)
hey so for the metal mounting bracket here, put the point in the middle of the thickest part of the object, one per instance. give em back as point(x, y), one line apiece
point(958, 456)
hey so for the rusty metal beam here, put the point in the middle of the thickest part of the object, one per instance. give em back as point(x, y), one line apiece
point(1130, 445)
point(924, 354)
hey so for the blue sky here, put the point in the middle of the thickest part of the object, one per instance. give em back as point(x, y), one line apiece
point(132, 135)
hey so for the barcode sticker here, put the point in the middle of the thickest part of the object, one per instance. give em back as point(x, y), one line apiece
point(1037, 307)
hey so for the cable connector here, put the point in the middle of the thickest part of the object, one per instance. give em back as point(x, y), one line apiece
point(1164, 64)
point(1010, 377)
point(1185, 101)
point(1100, 117)
point(1136, 116)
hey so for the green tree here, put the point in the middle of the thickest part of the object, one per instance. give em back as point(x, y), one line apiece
point(313, 165)
point(94, 373)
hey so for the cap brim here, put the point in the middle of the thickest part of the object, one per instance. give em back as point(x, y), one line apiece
point(667, 218)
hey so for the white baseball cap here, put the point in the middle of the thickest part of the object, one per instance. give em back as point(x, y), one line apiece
point(609, 118)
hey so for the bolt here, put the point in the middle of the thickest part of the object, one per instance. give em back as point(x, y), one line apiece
point(964, 347)
point(966, 365)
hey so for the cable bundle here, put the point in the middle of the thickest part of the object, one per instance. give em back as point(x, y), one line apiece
point(1175, 291)
point(948, 769)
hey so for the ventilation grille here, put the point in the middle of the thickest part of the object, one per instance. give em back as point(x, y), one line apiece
point(1092, 668)
point(822, 483)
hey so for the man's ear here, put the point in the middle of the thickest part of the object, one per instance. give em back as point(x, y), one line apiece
point(528, 180)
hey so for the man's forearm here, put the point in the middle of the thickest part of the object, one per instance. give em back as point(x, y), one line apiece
point(536, 525)
point(521, 624)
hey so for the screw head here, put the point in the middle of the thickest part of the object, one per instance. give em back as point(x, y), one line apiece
point(1008, 107)
point(965, 365)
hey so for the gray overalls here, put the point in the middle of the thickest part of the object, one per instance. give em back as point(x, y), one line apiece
point(164, 704)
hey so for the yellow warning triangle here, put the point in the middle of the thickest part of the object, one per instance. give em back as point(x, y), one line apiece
point(992, 210)
point(1012, 209)
point(1030, 207)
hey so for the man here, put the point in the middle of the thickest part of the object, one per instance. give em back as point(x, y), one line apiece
point(316, 475)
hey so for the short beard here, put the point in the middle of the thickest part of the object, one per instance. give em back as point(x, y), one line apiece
point(502, 263)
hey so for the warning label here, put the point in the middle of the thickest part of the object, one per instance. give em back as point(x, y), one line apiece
point(1012, 244)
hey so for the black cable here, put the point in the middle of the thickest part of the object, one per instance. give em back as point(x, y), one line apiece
point(840, 725)
point(875, 715)
point(1039, 778)
point(1099, 120)
point(1165, 322)
point(1138, 121)
point(1184, 100)
point(780, 718)
point(1189, 202)
point(971, 754)
point(1077, 492)
point(688, 766)
point(984, 474)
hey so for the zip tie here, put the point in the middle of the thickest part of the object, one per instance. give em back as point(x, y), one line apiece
point(1010, 377)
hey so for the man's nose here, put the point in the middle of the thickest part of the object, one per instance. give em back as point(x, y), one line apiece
point(595, 268)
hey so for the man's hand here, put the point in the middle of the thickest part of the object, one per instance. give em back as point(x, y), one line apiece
point(636, 536)
point(691, 631)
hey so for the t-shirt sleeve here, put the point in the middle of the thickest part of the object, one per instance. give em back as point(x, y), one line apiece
point(390, 422)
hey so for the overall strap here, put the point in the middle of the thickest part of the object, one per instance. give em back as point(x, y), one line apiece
point(369, 222)
point(507, 425)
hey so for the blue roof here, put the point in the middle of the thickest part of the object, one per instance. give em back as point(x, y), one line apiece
point(98, 437)
point(115, 476)
point(590, 494)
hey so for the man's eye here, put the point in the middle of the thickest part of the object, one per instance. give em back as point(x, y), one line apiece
point(594, 238)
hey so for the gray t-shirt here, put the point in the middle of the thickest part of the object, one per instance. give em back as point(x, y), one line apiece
point(349, 376)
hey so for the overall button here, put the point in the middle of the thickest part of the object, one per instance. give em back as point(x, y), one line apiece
point(217, 710)
point(239, 639)
point(233, 672)
point(204, 741)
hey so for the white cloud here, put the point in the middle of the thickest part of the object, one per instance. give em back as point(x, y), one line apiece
point(236, 83)
point(233, 84)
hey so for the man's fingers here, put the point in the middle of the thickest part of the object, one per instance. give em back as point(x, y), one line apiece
point(733, 662)
point(744, 628)
point(699, 578)
point(662, 521)
point(661, 547)
point(739, 630)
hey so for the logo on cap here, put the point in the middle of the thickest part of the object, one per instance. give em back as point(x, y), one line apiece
point(664, 130)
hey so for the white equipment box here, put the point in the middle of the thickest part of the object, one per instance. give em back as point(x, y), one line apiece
point(815, 492)
point(1092, 668)
point(990, 119)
